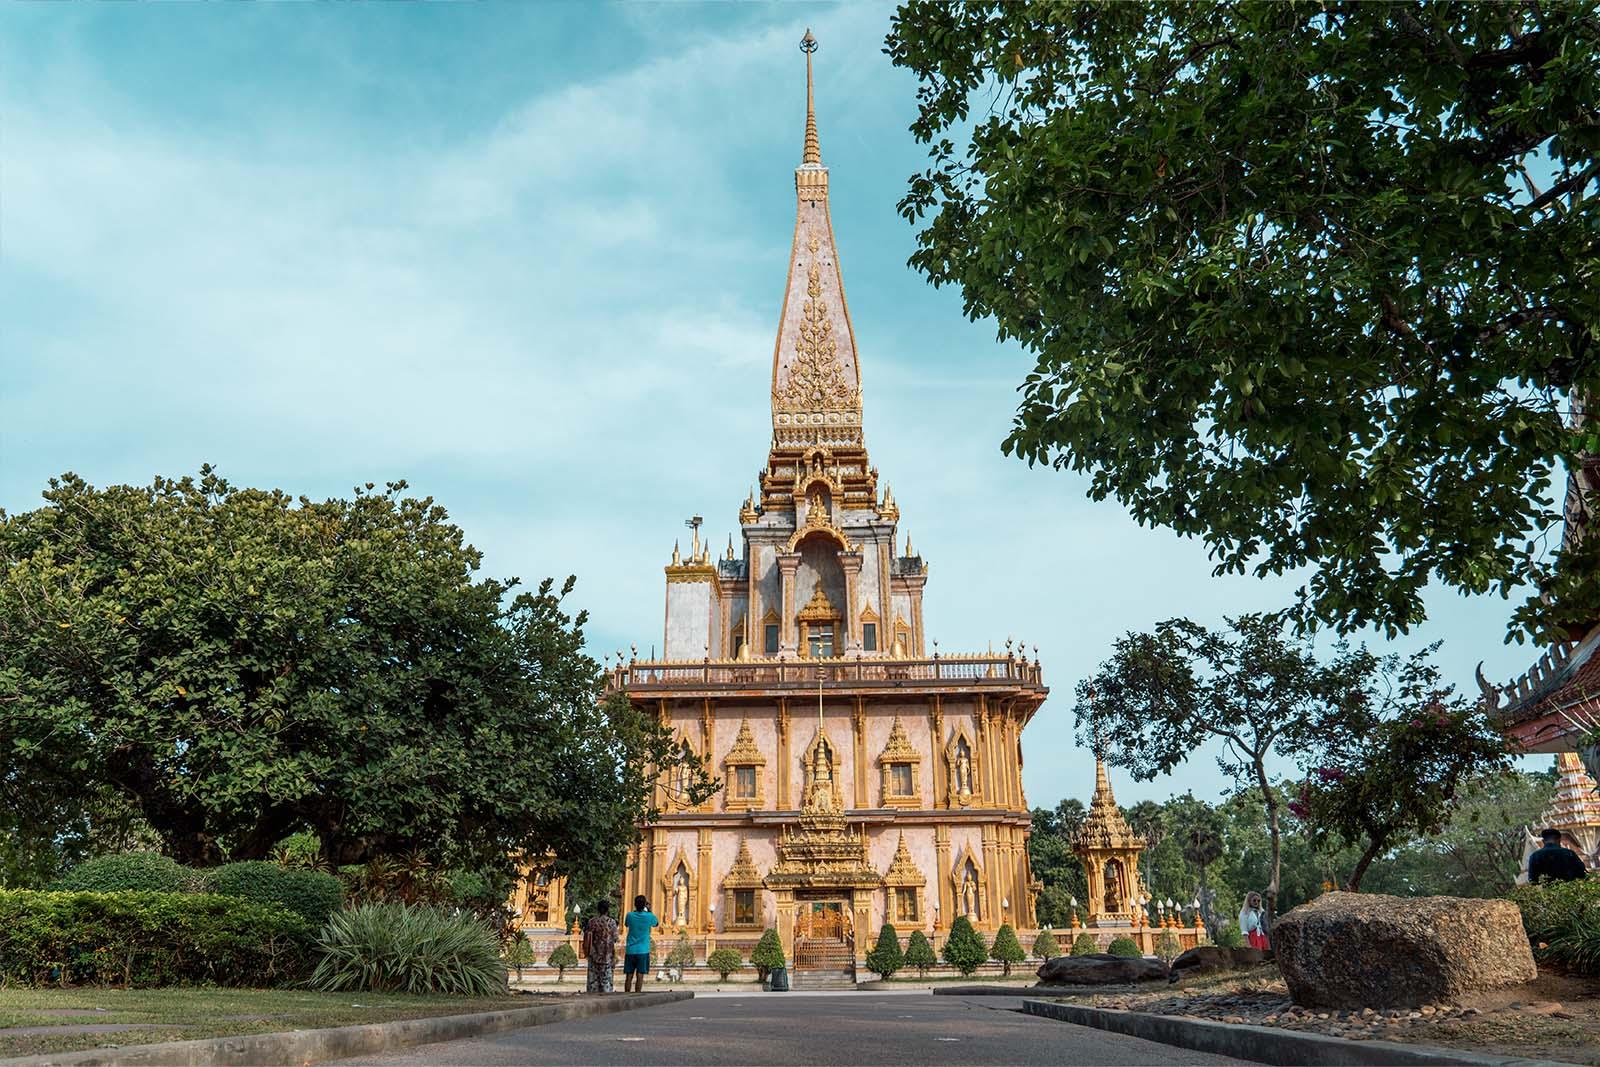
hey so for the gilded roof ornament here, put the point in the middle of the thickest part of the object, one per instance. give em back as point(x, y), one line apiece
point(1104, 827)
point(903, 870)
point(743, 873)
point(813, 151)
point(899, 748)
point(744, 752)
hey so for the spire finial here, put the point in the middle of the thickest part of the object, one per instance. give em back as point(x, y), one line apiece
point(813, 153)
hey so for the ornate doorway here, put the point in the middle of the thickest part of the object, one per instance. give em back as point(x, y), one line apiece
point(821, 920)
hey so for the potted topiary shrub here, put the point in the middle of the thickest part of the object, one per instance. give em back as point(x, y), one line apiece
point(1007, 949)
point(919, 953)
point(561, 958)
point(725, 961)
point(964, 949)
point(1085, 945)
point(767, 957)
point(1125, 947)
point(886, 957)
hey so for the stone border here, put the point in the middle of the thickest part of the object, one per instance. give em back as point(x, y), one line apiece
point(1267, 1044)
point(335, 1043)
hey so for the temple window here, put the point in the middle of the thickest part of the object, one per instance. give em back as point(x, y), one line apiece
point(869, 637)
point(744, 907)
point(819, 640)
point(901, 783)
point(905, 905)
point(770, 638)
point(744, 783)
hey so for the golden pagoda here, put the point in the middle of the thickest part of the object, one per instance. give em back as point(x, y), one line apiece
point(1109, 850)
point(1574, 810)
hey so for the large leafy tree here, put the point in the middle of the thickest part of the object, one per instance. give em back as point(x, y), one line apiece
point(1162, 694)
point(1058, 871)
point(241, 665)
point(1314, 282)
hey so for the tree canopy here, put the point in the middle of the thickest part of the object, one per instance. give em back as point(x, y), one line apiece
point(240, 665)
point(1312, 282)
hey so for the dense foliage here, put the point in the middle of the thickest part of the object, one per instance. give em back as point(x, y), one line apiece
point(1310, 282)
point(561, 957)
point(1550, 908)
point(886, 958)
point(1084, 945)
point(243, 665)
point(1045, 946)
point(313, 895)
point(725, 961)
point(1050, 857)
point(138, 939)
point(964, 948)
point(1006, 950)
point(681, 954)
point(130, 872)
point(405, 948)
point(1168, 947)
point(919, 953)
point(767, 954)
point(1123, 946)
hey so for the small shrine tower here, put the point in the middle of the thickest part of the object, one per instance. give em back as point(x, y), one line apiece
point(1110, 851)
point(1574, 810)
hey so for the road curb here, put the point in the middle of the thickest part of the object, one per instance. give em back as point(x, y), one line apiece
point(1267, 1044)
point(335, 1043)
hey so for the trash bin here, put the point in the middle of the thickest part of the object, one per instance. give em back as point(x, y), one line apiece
point(778, 980)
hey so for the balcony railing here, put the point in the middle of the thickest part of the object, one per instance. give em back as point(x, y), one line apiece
point(867, 671)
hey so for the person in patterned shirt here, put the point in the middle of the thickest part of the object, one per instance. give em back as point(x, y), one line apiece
point(600, 946)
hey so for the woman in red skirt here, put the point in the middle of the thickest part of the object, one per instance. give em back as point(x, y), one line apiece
point(1252, 922)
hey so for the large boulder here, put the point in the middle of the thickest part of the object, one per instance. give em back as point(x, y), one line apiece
point(1098, 968)
point(1210, 959)
point(1358, 950)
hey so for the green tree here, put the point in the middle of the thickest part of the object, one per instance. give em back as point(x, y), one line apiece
point(1085, 945)
point(1314, 284)
point(561, 957)
point(919, 953)
point(1045, 946)
point(1162, 693)
point(1124, 946)
point(242, 665)
point(1006, 949)
point(1053, 864)
point(725, 961)
point(1393, 763)
point(1168, 947)
point(886, 957)
point(682, 954)
point(767, 954)
point(964, 948)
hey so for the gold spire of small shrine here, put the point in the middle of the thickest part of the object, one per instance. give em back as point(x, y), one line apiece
point(1104, 826)
point(813, 151)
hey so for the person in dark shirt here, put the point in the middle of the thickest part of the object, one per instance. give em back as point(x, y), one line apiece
point(1554, 861)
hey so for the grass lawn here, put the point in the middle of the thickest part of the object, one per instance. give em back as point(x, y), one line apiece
point(28, 1016)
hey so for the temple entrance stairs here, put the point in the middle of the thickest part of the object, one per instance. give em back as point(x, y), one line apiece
point(824, 963)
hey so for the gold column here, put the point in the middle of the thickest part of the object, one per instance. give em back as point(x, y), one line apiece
point(784, 901)
point(916, 619)
point(941, 849)
point(658, 859)
point(752, 601)
point(992, 868)
point(858, 730)
point(788, 567)
point(936, 726)
point(703, 876)
point(782, 800)
point(886, 596)
point(708, 734)
point(850, 563)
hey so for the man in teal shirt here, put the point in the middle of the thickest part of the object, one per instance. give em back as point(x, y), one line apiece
point(636, 954)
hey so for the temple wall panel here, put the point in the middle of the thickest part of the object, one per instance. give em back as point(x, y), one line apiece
point(689, 619)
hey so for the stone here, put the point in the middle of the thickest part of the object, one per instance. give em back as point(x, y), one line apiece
point(1352, 950)
point(1100, 969)
point(1545, 1007)
point(1209, 959)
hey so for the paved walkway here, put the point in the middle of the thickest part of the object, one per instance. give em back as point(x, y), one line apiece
point(806, 1031)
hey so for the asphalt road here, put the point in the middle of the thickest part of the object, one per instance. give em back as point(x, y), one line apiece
point(801, 1030)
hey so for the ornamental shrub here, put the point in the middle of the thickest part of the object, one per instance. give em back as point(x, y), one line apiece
point(142, 939)
point(1549, 909)
point(562, 957)
point(312, 894)
point(725, 961)
point(129, 872)
point(1578, 945)
point(1085, 945)
point(1006, 948)
point(1045, 946)
point(408, 948)
point(964, 949)
point(886, 957)
point(1168, 947)
point(1124, 946)
point(768, 954)
point(1228, 936)
point(682, 954)
point(919, 953)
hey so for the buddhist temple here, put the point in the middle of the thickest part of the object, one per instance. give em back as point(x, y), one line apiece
point(1574, 810)
point(866, 775)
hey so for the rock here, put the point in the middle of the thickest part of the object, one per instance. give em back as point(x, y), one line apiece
point(1208, 959)
point(1544, 1007)
point(1357, 949)
point(1100, 969)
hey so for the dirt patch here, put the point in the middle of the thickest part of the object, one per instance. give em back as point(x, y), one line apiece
point(1556, 1016)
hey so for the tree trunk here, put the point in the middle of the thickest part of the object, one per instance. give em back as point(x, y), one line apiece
point(1363, 863)
point(1271, 798)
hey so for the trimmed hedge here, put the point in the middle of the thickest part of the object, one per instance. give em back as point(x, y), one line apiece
point(129, 872)
point(1124, 946)
point(313, 895)
point(141, 939)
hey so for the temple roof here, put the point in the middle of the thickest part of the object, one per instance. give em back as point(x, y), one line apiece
point(816, 377)
point(1104, 827)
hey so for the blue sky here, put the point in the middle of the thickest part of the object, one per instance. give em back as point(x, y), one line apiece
point(529, 257)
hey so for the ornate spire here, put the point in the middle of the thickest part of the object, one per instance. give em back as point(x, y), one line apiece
point(1104, 826)
point(813, 152)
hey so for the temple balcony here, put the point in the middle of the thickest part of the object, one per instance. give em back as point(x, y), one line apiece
point(853, 675)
